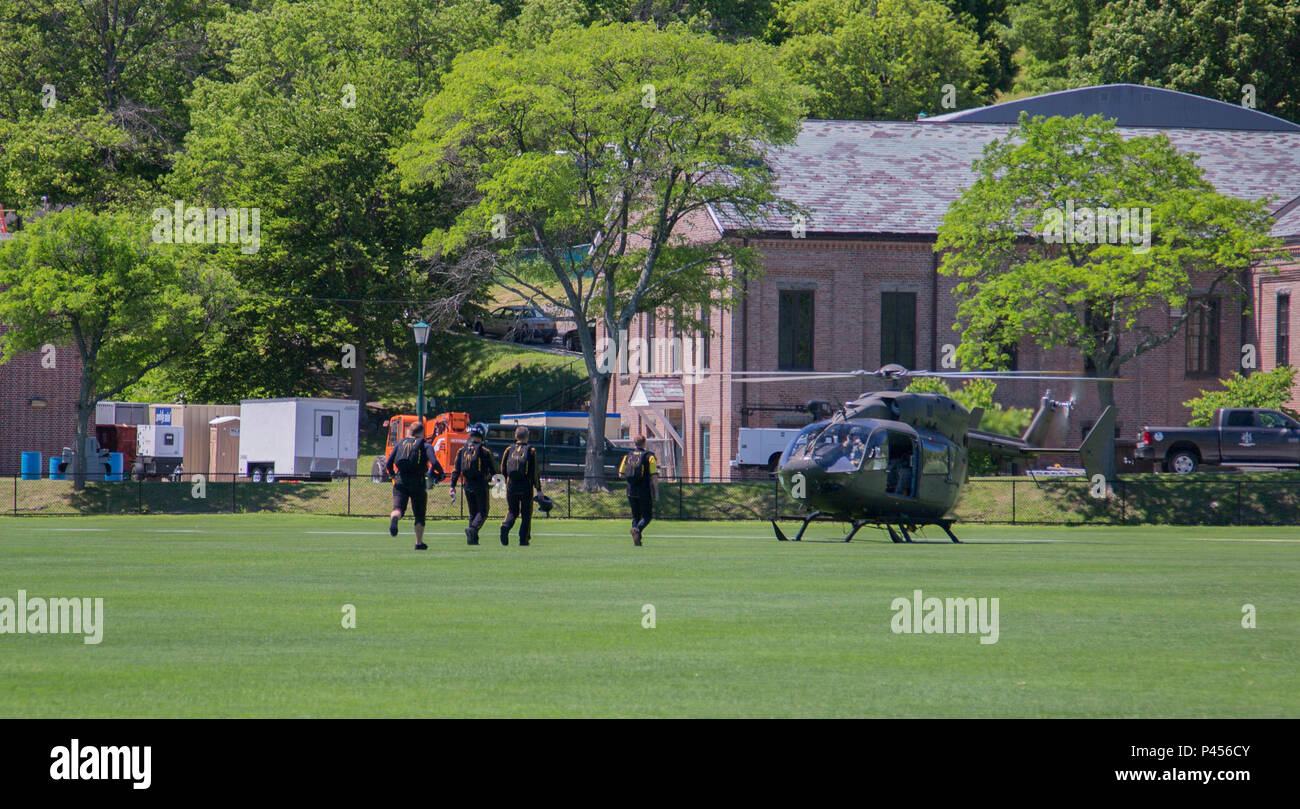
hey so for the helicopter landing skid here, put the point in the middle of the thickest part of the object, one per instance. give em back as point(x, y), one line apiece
point(947, 529)
point(780, 535)
point(857, 524)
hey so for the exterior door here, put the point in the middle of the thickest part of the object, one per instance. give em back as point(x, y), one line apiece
point(1237, 436)
point(327, 434)
point(1274, 441)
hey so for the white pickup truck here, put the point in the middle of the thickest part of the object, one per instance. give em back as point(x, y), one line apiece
point(763, 446)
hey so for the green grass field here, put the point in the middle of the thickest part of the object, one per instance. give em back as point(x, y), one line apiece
point(242, 616)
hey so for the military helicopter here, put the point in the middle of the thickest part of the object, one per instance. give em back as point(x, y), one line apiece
point(896, 459)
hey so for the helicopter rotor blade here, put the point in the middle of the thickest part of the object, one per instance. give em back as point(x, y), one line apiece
point(1036, 376)
point(896, 372)
point(747, 380)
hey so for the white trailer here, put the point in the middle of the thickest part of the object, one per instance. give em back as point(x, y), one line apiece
point(762, 446)
point(298, 438)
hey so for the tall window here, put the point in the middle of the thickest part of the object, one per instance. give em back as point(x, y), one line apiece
point(1283, 350)
point(705, 470)
point(706, 338)
point(1203, 338)
point(676, 347)
point(795, 330)
point(649, 363)
point(898, 328)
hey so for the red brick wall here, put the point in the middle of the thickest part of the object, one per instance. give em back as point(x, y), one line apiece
point(847, 279)
point(1267, 285)
point(24, 429)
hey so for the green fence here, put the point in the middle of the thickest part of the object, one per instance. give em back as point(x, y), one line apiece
point(1218, 500)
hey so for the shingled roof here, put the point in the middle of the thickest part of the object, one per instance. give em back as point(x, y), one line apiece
point(899, 177)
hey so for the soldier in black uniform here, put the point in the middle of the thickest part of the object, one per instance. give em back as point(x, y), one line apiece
point(519, 465)
point(407, 464)
point(640, 469)
point(475, 466)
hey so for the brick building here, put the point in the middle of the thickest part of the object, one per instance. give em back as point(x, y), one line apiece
point(859, 287)
point(38, 405)
point(38, 395)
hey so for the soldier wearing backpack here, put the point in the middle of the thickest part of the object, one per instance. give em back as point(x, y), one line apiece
point(475, 466)
point(640, 469)
point(519, 465)
point(408, 463)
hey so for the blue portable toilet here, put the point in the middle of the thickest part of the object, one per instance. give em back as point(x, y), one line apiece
point(115, 463)
point(30, 467)
point(55, 474)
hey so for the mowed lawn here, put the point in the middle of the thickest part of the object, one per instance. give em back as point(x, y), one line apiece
point(242, 616)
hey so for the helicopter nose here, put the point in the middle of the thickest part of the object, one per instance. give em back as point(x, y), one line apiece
point(800, 477)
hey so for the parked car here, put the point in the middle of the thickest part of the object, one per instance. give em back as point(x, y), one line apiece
point(561, 451)
point(573, 341)
point(1237, 436)
point(517, 323)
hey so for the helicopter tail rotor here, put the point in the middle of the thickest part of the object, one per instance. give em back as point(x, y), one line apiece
point(1050, 413)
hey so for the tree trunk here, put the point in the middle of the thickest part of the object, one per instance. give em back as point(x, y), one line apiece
point(79, 461)
point(594, 474)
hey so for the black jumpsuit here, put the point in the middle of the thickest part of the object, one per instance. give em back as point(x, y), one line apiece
point(519, 493)
point(475, 467)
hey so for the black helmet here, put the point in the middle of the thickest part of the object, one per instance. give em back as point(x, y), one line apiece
point(544, 503)
point(479, 429)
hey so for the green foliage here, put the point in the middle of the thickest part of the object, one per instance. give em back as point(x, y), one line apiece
point(329, 87)
point(1271, 390)
point(729, 20)
point(539, 19)
point(1019, 276)
point(882, 59)
point(1051, 36)
point(95, 284)
point(614, 140)
point(616, 136)
point(67, 157)
point(1212, 48)
point(125, 65)
point(1087, 295)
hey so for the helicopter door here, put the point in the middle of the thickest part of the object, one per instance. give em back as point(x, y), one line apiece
point(900, 478)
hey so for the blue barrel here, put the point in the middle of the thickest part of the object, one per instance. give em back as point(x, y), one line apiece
point(30, 467)
point(55, 474)
point(115, 463)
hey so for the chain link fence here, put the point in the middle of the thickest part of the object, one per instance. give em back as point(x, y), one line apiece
point(1223, 500)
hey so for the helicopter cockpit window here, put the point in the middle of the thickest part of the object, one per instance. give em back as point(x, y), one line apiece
point(840, 447)
point(800, 443)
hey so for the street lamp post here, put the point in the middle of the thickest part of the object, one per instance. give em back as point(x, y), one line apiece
point(421, 330)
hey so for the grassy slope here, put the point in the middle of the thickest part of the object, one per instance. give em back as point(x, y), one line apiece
point(240, 616)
